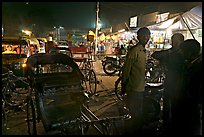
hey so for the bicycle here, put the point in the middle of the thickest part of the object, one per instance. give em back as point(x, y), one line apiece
point(10, 90)
point(83, 57)
point(62, 92)
point(152, 105)
point(12, 96)
point(90, 80)
point(55, 96)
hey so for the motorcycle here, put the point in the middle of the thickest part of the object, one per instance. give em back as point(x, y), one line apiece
point(154, 72)
point(113, 64)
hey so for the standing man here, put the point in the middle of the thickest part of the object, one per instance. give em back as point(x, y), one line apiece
point(186, 102)
point(133, 81)
point(165, 56)
point(173, 61)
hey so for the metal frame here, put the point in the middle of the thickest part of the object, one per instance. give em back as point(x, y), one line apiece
point(47, 93)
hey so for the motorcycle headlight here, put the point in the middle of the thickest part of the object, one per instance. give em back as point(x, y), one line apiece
point(24, 65)
point(19, 65)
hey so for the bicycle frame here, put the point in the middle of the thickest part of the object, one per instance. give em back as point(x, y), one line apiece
point(90, 80)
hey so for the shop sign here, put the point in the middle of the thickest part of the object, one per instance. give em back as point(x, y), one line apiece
point(133, 21)
point(162, 17)
point(147, 19)
point(199, 32)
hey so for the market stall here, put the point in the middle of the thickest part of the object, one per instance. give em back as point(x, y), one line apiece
point(188, 23)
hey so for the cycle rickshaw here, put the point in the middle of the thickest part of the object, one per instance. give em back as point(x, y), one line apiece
point(58, 99)
point(82, 56)
point(55, 96)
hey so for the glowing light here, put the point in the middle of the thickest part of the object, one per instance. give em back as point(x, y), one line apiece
point(99, 25)
point(122, 30)
point(27, 32)
point(91, 33)
point(23, 65)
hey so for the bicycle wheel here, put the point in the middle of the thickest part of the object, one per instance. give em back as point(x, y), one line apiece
point(31, 117)
point(92, 81)
point(118, 89)
point(12, 99)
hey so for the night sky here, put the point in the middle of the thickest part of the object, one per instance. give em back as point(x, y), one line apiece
point(68, 14)
point(81, 14)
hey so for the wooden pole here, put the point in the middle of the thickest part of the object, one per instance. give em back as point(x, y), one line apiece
point(187, 26)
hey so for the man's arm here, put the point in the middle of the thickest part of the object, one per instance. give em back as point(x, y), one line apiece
point(162, 56)
point(126, 69)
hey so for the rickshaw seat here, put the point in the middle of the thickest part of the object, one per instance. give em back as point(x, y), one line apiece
point(59, 94)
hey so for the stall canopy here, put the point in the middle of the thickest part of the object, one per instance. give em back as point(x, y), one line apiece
point(163, 25)
point(192, 18)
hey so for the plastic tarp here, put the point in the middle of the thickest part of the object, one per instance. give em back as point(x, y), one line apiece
point(163, 25)
point(192, 18)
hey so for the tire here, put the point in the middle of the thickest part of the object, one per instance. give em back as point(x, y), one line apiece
point(109, 68)
point(92, 82)
point(31, 117)
point(118, 91)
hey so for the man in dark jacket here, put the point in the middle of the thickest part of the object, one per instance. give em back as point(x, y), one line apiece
point(183, 90)
point(172, 60)
point(185, 110)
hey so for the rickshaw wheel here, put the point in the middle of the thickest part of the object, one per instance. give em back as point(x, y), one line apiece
point(75, 128)
point(92, 82)
point(31, 117)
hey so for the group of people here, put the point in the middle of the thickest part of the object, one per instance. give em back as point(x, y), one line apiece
point(182, 95)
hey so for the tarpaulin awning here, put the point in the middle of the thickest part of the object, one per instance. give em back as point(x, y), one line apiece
point(163, 25)
point(192, 18)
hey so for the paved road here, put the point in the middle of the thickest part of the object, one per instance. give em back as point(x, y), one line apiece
point(103, 104)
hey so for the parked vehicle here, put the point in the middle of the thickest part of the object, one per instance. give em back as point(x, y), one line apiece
point(152, 104)
point(64, 50)
point(14, 54)
point(34, 45)
point(154, 72)
point(113, 64)
point(63, 43)
point(43, 43)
